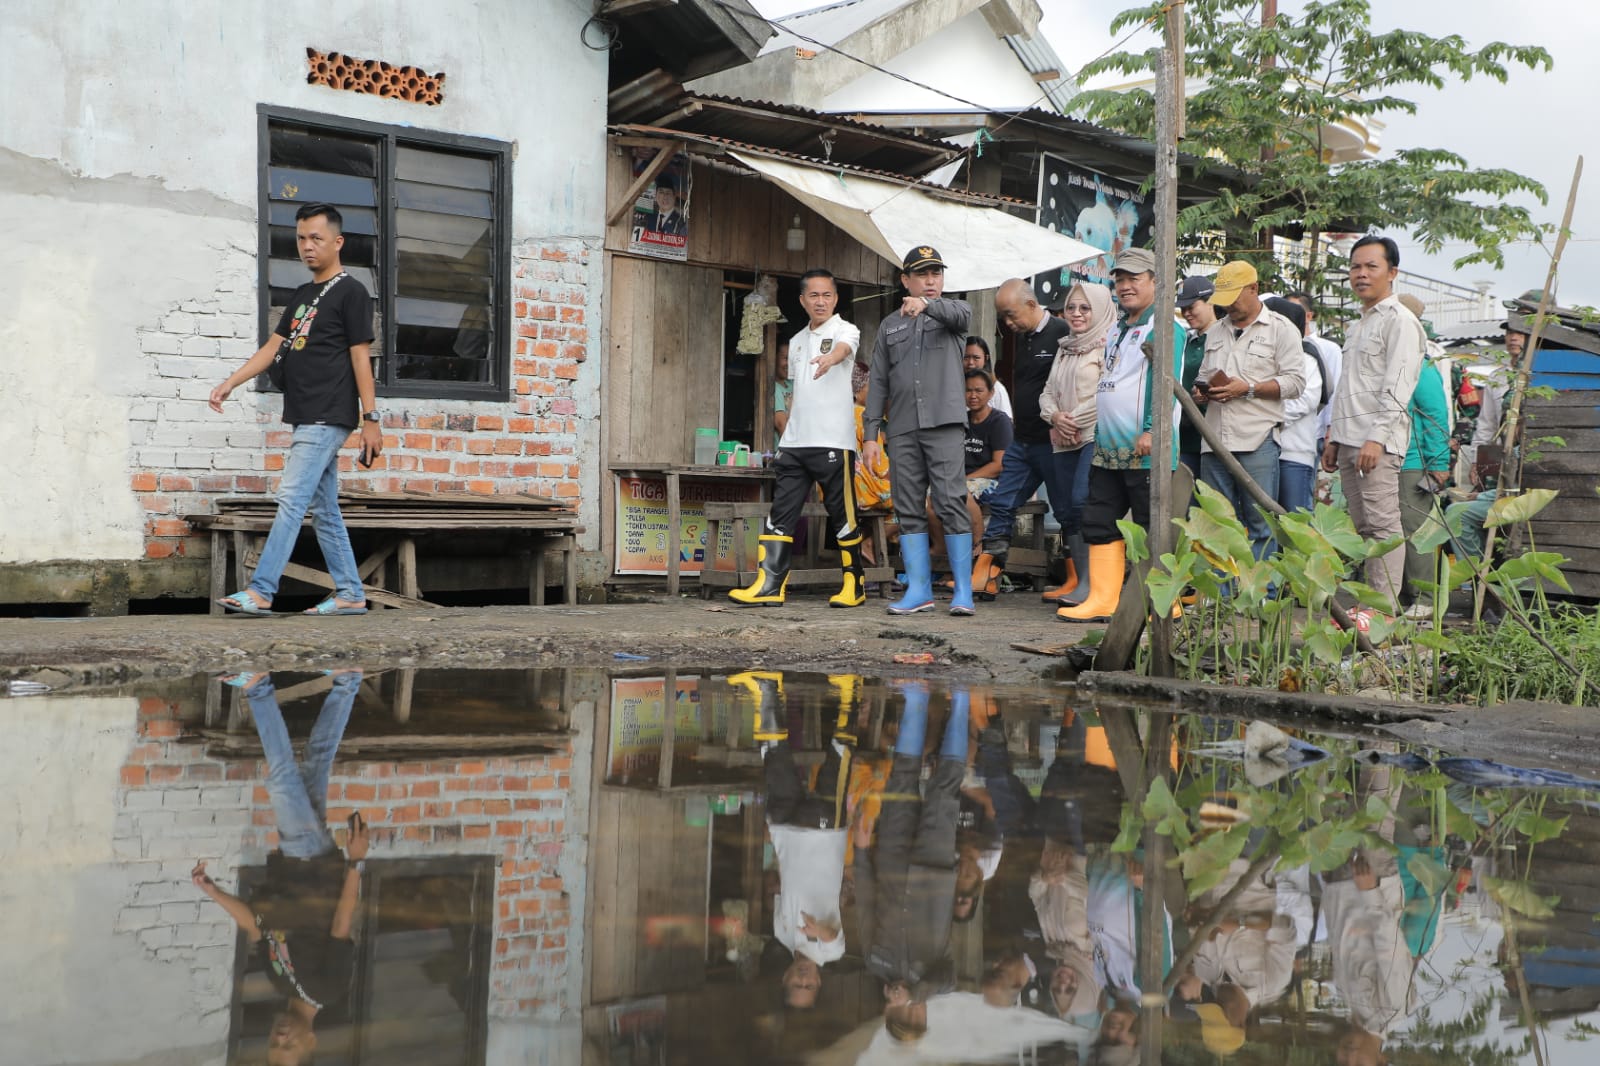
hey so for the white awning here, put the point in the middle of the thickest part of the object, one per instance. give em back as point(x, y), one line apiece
point(981, 246)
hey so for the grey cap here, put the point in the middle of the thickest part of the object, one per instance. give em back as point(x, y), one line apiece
point(1195, 287)
point(1135, 261)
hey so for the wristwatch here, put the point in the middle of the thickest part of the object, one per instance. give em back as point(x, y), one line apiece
point(359, 866)
point(370, 416)
point(1251, 392)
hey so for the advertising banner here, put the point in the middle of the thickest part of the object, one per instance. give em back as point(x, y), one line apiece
point(642, 524)
point(1107, 213)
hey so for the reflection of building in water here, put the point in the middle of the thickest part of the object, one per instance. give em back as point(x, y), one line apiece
point(477, 859)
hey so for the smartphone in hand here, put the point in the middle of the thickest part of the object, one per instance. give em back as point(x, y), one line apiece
point(366, 457)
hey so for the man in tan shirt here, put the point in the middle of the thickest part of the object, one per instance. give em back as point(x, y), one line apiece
point(1253, 363)
point(1371, 424)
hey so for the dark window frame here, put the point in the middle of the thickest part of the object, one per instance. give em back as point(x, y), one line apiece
point(391, 137)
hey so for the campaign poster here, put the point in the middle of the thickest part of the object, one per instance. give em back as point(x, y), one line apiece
point(1107, 213)
point(660, 225)
point(642, 524)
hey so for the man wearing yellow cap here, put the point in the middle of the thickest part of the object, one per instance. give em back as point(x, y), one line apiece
point(1252, 364)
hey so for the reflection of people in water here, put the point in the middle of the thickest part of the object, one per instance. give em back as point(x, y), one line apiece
point(1362, 903)
point(1252, 950)
point(810, 832)
point(905, 883)
point(300, 918)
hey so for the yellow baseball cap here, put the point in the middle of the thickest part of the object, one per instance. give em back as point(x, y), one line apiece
point(1220, 1036)
point(1231, 280)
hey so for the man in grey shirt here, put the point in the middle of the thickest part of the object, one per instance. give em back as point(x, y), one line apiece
point(917, 387)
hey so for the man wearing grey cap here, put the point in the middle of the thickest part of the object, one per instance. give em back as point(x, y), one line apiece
point(1126, 409)
point(918, 389)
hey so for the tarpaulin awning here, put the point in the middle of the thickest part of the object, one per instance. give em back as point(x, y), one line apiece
point(981, 246)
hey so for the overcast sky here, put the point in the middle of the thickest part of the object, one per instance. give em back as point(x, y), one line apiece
point(1536, 123)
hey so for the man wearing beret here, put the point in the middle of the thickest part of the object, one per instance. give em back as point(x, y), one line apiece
point(917, 390)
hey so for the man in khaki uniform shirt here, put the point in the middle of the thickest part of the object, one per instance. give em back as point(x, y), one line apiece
point(1371, 424)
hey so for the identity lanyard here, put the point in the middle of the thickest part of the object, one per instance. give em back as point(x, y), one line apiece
point(296, 338)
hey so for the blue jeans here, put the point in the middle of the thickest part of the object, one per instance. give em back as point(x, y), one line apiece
point(300, 794)
point(1262, 466)
point(1025, 467)
point(1297, 485)
point(310, 483)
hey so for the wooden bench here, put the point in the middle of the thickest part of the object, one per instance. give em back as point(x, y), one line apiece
point(396, 521)
point(1029, 558)
point(740, 515)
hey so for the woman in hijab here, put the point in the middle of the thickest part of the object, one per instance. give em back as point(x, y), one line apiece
point(1068, 404)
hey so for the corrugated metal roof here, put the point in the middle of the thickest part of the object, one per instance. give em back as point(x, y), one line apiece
point(1038, 57)
point(816, 134)
point(667, 134)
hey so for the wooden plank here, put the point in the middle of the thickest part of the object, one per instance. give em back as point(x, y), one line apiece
point(624, 203)
point(641, 362)
point(674, 385)
point(1575, 487)
point(621, 291)
point(1567, 398)
point(705, 352)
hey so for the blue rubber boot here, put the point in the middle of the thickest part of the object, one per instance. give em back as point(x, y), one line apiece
point(913, 720)
point(914, 550)
point(958, 546)
point(954, 745)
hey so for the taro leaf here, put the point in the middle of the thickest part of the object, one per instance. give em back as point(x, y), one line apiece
point(1459, 822)
point(1380, 628)
point(1536, 827)
point(1325, 643)
point(1461, 572)
point(1520, 898)
point(1368, 596)
point(1206, 864)
point(1519, 508)
point(1167, 585)
point(1340, 531)
point(1430, 536)
point(1297, 530)
point(1223, 543)
point(1428, 872)
point(1171, 819)
point(1433, 640)
point(1377, 809)
point(1132, 829)
point(1322, 575)
point(1528, 565)
point(1133, 536)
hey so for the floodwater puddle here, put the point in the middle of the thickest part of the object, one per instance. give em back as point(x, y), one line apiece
point(681, 866)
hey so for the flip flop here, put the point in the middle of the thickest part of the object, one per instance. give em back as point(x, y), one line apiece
point(331, 606)
point(242, 602)
point(243, 681)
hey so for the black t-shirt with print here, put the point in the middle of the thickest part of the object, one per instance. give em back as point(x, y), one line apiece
point(1036, 353)
point(985, 438)
point(319, 385)
point(294, 907)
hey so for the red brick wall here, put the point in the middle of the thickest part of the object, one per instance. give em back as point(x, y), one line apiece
point(177, 805)
point(184, 454)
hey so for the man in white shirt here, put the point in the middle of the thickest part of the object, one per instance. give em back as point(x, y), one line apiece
point(817, 448)
point(1469, 517)
point(1371, 424)
point(1253, 363)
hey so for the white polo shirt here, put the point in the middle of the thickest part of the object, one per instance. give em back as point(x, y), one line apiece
point(822, 412)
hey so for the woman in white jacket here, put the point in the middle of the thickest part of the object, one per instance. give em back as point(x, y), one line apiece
point(1068, 403)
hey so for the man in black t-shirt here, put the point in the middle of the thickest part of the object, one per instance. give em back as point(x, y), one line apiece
point(988, 437)
point(300, 918)
point(323, 346)
point(1030, 461)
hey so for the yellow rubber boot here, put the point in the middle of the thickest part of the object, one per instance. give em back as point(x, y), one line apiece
point(854, 591)
point(1106, 565)
point(1069, 585)
point(773, 575)
point(766, 689)
point(844, 726)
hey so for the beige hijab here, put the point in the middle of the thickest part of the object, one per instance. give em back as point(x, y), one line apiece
point(1101, 318)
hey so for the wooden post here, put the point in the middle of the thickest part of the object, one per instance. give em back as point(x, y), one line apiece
point(1169, 90)
point(1152, 948)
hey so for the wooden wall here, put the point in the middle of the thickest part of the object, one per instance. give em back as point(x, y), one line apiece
point(664, 358)
point(1570, 525)
point(645, 863)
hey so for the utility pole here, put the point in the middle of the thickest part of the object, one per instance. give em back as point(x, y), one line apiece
point(1169, 127)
